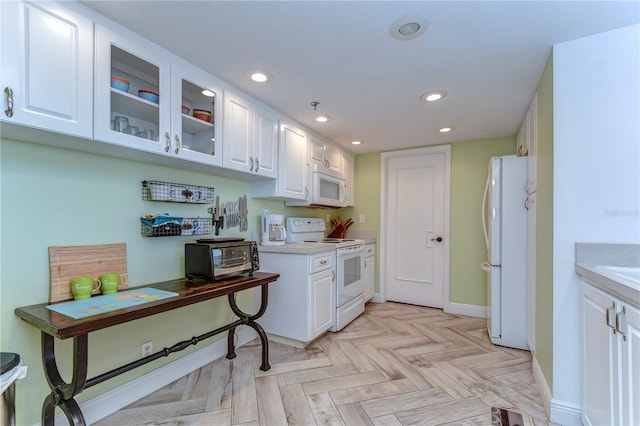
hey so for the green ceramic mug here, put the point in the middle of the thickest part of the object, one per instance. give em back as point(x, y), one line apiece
point(111, 282)
point(82, 287)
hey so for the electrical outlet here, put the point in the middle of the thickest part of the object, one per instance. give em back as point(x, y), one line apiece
point(361, 218)
point(146, 349)
point(328, 217)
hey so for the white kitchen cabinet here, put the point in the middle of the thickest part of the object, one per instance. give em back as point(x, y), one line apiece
point(527, 142)
point(266, 124)
point(321, 291)
point(324, 153)
point(369, 271)
point(291, 182)
point(302, 304)
point(610, 332)
point(250, 137)
point(348, 170)
point(47, 67)
point(158, 127)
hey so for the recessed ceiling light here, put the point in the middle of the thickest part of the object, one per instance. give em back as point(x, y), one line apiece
point(446, 129)
point(408, 27)
point(259, 76)
point(434, 95)
point(208, 93)
point(356, 143)
point(322, 118)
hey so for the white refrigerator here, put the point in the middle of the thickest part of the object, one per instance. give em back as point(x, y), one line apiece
point(504, 221)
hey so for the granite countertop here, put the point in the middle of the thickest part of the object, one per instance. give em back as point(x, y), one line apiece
point(614, 268)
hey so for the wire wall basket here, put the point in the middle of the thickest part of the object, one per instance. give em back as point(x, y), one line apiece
point(154, 190)
point(171, 226)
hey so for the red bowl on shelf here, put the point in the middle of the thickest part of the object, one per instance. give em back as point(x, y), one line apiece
point(149, 95)
point(202, 114)
point(186, 109)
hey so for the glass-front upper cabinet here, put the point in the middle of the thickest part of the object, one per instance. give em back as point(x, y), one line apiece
point(151, 100)
point(195, 112)
point(132, 87)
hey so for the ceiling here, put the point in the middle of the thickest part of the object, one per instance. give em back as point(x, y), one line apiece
point(487, 55)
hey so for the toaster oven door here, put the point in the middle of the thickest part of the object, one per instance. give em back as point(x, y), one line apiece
point(233, 260)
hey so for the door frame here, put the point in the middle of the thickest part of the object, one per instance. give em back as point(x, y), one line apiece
point(384, 160)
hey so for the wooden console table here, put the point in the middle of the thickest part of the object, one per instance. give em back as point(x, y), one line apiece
point(53, 324)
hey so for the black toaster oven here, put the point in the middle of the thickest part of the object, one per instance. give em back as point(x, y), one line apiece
point(212, 261)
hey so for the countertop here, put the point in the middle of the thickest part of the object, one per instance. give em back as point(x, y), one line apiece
point(614, 268)
point(296, 248)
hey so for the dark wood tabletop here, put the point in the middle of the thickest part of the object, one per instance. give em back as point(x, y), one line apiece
point(63, 327)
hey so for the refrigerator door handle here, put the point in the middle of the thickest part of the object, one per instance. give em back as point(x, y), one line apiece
point(484, 203)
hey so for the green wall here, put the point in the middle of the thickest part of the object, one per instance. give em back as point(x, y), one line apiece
point(469, 168)
point(469, 161)
point(57, 197)
point(544, 226)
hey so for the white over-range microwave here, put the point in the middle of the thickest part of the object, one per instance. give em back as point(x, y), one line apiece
point(326, 189)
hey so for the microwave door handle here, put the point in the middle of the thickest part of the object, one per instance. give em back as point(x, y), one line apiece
point(343, 189)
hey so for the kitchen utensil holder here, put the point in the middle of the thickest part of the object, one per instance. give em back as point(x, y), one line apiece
point(154, 190)
point(172, 226)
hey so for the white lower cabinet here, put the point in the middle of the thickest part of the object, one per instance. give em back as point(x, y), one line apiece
point(302, 302)
point(46, 74)
point(369, 271)
point(610, 331)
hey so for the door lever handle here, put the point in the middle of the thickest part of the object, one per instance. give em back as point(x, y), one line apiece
point(439, 239)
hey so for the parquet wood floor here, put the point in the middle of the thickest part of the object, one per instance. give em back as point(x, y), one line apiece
point(396, 364)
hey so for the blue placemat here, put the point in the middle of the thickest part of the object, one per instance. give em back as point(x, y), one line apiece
point(95, 305)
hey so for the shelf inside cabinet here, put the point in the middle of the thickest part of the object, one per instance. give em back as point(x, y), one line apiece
point(132, 106)
point(194, 125)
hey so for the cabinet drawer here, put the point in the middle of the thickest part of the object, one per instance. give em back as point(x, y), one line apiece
point(369, 250)
point(320, 262)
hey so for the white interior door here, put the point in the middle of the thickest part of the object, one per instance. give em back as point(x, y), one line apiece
point(415, 226)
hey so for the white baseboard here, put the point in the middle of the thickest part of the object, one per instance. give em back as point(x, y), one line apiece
point(543, 387)
point(466, 310)
point(557, 411)
point(117, 398)
point(565, 414)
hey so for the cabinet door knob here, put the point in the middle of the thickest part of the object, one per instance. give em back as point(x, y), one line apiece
point(9, 111)
point(439, 239)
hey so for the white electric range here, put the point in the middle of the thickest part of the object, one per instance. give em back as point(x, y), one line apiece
point(349, 255)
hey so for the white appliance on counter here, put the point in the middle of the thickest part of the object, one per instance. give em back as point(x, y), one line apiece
point(504, 221)
point(327, 189)
point(273, 230)
point(349, 255)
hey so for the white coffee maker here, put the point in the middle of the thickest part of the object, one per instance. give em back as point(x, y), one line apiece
point(273, 230)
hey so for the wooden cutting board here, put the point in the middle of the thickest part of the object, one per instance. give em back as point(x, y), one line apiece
point(68, 262)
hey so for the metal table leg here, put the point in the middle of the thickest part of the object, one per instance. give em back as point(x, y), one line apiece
point(62, 393)
point(250, 321)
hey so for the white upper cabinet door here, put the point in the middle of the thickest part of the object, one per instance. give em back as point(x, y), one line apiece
point(47, 67)
point(532, 135)
point(238, 133)
point(292, 175)
point(266, 142)
point(196, 105)
point(324, 154)
point(333, 158)
point(122, 117)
